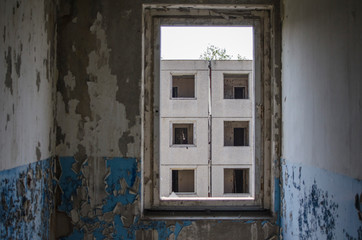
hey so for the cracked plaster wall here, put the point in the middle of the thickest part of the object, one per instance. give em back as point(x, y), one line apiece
point(322, 115)
point(27, 117)
point(27, 81)
point(99, 130)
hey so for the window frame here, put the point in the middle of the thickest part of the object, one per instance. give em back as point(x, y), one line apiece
point(199, 15)
point(172, 137)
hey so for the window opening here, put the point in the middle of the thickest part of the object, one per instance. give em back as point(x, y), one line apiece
point(236, 180)
point(183, 86)
point(183, 181)
point(236, 133)
point(183, 133)
point(236, 86)
point(220, 123)
point(239, 93)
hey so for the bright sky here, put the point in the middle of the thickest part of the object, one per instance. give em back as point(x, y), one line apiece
point(191, 42)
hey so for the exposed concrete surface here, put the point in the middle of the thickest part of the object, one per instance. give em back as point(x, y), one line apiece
point(88, 91)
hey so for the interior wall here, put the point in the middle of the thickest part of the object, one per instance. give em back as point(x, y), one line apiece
point(99, 130)
point(322, 115)
point(27, 117)
point(27, 73)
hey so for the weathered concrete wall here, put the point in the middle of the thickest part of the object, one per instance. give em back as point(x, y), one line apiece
point(101, 200)
point(27, 81)
point(99, 130)
point(322, 117)
point(27, 103)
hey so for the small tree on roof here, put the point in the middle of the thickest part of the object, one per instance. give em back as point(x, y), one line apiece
point(215, 53)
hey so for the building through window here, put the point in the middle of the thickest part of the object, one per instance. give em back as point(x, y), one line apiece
point(207, 124)
point(216, 121)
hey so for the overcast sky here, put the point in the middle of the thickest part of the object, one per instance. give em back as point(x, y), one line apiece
point(191, 42)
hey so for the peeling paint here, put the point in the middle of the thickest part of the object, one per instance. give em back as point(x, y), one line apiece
point(26, 201)
point(114, 213)
point(318, 204)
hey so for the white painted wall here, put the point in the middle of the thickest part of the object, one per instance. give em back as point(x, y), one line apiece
point(196, 153)
point(27, 83)
point(231, 107)
point(322, 85)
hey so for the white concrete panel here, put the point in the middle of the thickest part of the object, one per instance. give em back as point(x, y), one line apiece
point(196, 153)
point(184, 107)
point(230, 154)
point(179, 65)
point(230, 107)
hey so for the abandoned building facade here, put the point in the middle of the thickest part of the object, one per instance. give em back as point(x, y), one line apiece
point(206, 128)
point(100, 139)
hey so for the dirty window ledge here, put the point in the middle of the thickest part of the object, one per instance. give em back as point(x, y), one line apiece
point(261, 214)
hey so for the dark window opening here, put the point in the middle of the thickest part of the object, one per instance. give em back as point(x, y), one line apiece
point(181, 136)
point(183, 133)
point(236, 133)
point(236, 86)
point(183, 86)
point(174, 92)
point(239, 136)
point(236, 180)
point(183, 181)
point(239, 92)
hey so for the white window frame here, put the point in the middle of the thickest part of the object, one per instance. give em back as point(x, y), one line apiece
point(268, 110)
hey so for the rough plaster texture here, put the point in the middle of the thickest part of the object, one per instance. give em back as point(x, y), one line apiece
point(27, 81)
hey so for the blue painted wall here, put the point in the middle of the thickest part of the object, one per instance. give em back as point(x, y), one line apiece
point(319, 204)
point(116, 215)
point(26, 201)
point(111, 219)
